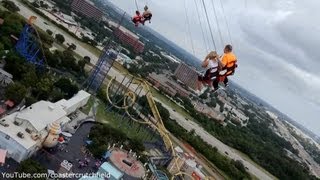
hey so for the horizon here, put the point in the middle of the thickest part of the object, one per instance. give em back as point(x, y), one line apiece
point(264, 40)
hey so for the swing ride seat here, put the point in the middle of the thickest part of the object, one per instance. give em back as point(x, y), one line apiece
point(228, 71)
point(147, 17)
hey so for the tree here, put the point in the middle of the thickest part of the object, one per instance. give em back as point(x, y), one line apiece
point(13, 24)
point(30, 100)
point(6, 42)
point(69, 61)
point(15, 92)
point(1, 50)
point(46, 38)
point(66, 86)
point(35, 4)
point(60, 38)
point(165, 114)
point(11, 6)
point(86, 59)
point(56, 95)
point(85, 39)
point(32, 167)
point(221, 107)
point(49, 32)
point(30, 78)
point(72, 47)
point(43, 88)
point(81, 64)
point(44, 5)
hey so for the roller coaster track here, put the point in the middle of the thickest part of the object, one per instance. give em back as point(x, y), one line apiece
point(30, 22)
point(131, 96)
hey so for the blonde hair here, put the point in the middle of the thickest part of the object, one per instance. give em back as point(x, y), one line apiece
point(213, 55)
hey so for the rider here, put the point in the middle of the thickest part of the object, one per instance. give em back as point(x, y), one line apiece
point(137, 18)
point(213, 65)
point(147, 15)
point(229, 64)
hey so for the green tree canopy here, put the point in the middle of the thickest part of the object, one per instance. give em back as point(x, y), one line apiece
point(67, 87)
point(60, 38)
point(30, 78)
point(32, 167)
point(11, 6)
point(15, 92)
point(49, 32)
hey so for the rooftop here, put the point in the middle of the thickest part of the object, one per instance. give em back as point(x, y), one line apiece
point(79, 97)
point(9, 103)
point(6, 73)
point(12, 130)
point(39, 115)
point(42, 113)
point(123, 29)
point(114, 172)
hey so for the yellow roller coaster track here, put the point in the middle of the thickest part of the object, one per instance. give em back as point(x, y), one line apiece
point(159, 126)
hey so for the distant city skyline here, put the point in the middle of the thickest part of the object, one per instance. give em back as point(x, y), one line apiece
point(275, 42)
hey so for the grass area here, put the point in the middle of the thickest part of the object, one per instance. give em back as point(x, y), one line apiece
point(87, 108)
point(115, 120)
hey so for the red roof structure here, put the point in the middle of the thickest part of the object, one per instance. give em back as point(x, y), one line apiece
point(1, 21)
point(9, 103)
point(3, 154)
point(2, 111)
point(60, 139)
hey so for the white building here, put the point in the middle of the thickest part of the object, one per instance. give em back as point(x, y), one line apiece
point(22, 133)
point(122, 59)
point(5, 77)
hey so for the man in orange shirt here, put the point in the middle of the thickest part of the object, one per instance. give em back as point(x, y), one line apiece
point(229, 62)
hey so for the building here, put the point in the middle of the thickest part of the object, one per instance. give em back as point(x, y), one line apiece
point(127, 37)
point(5, 78)
point(123, 59)
point(106, 171)
point(208, 111)
point(23, 132)
point(187, 75)
point(87, 8)
point(114, 173)
point(170, 87)
point(236, 114)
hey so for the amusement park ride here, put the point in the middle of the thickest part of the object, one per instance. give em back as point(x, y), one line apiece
point(126, 90)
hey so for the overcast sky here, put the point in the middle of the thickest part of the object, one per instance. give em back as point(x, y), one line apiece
point(276, 42)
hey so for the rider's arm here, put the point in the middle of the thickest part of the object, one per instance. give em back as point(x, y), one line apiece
point(205, 63)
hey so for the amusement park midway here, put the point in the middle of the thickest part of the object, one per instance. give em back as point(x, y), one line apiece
point(82, 50)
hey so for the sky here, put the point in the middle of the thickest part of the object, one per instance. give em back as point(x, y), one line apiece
point(276, 43)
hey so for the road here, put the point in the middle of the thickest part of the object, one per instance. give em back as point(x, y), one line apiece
point(188, 125)
point(222, 148)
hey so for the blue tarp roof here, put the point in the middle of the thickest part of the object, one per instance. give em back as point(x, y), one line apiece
point(114, 172)
point(88, 142)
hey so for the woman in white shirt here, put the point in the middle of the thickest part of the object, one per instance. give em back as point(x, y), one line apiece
point(213, 65)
